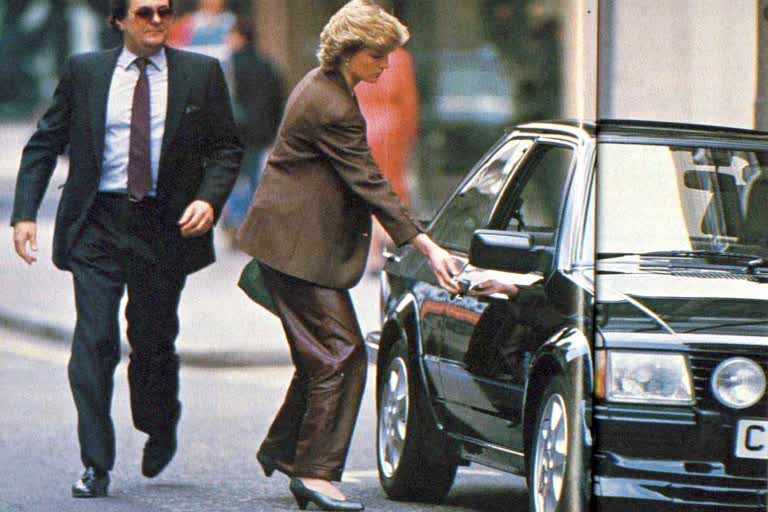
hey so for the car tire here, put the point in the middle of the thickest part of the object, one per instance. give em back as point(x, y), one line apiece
point(412, 456)
point(557, 478)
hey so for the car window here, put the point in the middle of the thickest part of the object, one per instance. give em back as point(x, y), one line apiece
point(679, 198)
point(538, 199)
point(471, 208)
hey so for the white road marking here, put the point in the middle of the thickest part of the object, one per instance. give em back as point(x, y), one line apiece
point(357, 476)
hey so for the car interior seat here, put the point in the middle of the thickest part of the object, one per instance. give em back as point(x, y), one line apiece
point(726, 194)
point(755, 230)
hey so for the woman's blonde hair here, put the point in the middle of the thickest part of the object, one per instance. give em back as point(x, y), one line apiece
point(359, 24)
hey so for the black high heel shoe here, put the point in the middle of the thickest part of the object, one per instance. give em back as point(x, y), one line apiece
point(305, 495)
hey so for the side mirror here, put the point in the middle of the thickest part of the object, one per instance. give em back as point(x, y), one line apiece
point(508, 251)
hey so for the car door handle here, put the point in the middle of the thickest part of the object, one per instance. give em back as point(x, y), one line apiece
point(464, 286)
point(390, 256)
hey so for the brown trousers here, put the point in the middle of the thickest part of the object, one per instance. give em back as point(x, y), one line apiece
point(311, 433)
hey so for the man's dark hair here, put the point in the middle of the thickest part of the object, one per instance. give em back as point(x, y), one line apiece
point(244, 27)
point(120, 11)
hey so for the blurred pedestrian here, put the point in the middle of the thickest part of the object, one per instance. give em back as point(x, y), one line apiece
point(208, 24)
point(205, 29)
point(258, 104)
point(153, 155)
point(309, 225)
point(391, 111)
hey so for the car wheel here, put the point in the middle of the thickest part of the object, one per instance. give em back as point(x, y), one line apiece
point(556, 478)
point(412, 456)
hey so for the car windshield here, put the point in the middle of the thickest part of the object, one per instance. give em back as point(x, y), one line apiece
point(673, 200)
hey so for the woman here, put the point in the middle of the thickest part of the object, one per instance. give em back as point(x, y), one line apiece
point(309, 226)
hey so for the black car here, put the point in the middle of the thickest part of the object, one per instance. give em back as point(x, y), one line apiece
point(626, 367)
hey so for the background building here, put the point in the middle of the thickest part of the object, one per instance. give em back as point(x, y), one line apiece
point(679, 60)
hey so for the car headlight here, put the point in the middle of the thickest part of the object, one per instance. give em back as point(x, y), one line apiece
point(644, 377)
point(738, 382)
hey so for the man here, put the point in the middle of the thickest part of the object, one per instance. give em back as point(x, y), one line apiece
point(153, 156)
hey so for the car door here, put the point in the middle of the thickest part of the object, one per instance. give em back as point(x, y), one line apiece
point(470, 208)
point(487, 341)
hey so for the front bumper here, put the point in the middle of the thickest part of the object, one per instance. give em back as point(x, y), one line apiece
point(640, 485)
point(664, 459)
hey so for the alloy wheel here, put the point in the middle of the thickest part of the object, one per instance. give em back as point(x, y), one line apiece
point(393, 416)
point(551, 454)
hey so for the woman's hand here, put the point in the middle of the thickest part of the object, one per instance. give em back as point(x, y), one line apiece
point(443, 265)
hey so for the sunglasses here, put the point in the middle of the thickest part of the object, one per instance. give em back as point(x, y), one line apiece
point(148, 13)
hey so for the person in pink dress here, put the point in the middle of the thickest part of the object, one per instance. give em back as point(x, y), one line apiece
point(391, 111)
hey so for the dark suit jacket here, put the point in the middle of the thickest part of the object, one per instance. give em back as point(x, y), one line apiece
point(199, 159)
point(311, 215)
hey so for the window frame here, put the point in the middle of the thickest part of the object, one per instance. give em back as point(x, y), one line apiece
point(471, 178)
point(518, 180)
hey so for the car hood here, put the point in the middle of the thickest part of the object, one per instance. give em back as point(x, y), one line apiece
point(679, 302)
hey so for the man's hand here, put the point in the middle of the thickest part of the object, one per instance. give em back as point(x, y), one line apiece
point(443, 265)
point(197, 219)
point(492, 286)
point(25, 232)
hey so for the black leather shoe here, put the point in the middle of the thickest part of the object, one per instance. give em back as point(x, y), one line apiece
point(158, 452)
point(305, 495)
point(269, 465)
point(91, 485)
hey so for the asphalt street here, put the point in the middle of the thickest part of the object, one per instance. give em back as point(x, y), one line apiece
point(226, 413)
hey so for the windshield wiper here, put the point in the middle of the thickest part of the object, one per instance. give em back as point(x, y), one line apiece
point(758, 268)
point(682, 253)
point(692, 253)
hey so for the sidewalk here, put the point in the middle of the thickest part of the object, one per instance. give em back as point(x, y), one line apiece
point(220, 326)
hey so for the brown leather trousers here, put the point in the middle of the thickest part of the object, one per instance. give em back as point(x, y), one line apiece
point(311, 433)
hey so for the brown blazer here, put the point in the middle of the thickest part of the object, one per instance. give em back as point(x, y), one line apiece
point(311, 215)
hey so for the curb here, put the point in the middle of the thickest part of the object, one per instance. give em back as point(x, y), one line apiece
point(191, 359)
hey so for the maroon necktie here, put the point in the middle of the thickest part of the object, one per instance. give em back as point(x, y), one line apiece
point(139, 166)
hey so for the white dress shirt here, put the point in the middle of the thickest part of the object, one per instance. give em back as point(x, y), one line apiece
point(117, 130)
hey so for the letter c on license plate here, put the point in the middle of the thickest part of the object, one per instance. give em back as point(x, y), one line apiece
point(752, 439)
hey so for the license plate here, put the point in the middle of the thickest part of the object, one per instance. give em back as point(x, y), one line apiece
point(752, 439)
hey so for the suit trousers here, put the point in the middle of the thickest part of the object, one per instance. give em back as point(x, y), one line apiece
point(115, 250)
point(311, 433)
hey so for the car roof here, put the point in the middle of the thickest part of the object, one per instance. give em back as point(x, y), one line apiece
point(570, 126)
point(639, 127)
point(676, 130)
